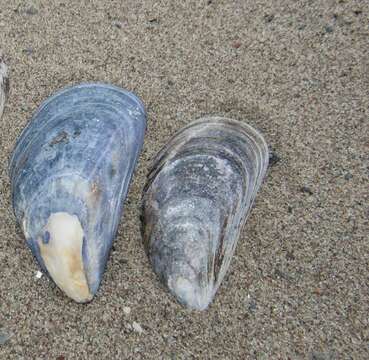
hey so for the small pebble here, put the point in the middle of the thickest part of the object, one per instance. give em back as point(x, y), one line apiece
point(328, 29)
point(38, 275)
point(123, 261)
point(273, 158)
point(306, 190)
point(317, 291)
point(137, 327)
point(127, 310)
point(117, 24)
point(28, 51)
point(269, 18)
point(4, 336)
point(31, 10)
point(236, 45)
point(252, 306)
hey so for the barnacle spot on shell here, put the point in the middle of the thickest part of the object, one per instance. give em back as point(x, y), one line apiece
point(95, 192)
point(62, 137)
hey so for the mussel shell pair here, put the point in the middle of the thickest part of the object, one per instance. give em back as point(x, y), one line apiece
point(70, 174)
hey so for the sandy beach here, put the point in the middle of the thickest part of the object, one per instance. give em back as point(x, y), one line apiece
point(298, 71)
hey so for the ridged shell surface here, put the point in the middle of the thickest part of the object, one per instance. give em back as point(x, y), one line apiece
point(198, 195)
point(70, 172)
point(4, 84)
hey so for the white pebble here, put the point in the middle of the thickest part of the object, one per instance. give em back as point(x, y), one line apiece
point(137, 327)
point(38, 275)
point(127, 310)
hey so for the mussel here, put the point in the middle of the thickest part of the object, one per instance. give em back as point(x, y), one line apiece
point(70, 172)
point(199, 192)
point(4, 84)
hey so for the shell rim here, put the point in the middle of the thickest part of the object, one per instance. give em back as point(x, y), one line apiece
point(209, 119)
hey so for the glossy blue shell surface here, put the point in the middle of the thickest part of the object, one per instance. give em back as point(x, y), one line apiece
point(78, 155)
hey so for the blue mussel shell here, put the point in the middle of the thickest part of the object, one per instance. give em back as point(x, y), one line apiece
point(70, 172)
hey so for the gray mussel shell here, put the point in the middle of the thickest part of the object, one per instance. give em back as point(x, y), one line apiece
point(70, 172)
point(199, 192)
point(4, 84)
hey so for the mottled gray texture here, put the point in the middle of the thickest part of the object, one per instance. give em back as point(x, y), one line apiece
point(199, 192)
point(300, 288)
point(4, 84)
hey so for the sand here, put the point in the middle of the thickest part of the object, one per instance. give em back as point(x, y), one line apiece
point(298, 71)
